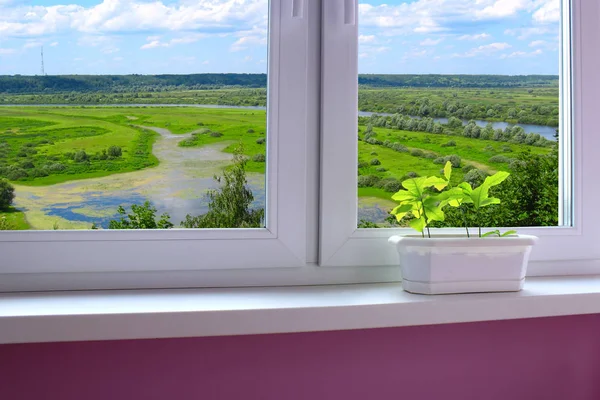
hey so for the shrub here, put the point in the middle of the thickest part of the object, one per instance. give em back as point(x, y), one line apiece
point(507, 149)
point(381, 169)
point(475, 177)
point(468, 168)
point(411, 175)
point(363, 164)
point(368, 180)
point(392, 187)
point(7, 194)
point(450, 143)
point(489, 148)
point(250, 131)
point(499, 159)
point(375, 161)
point(27, 164)
point(216, 134)
point(115, 151)
point(56, 167)
point(259, 157)
point(261, 140)
point(15, 173)
point(187, 143)
point(399, 147)
point(203, 131)
point(453, 158)
point(430, 156)
point(374, 141)
point(81, 156)
point(417, 153)
point(141, 217)
point(200, 124)
point(373, 153)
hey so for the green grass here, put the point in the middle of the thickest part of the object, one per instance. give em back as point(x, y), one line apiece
point(15, 218)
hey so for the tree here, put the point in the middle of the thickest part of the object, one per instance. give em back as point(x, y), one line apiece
point(115, 151)
point(229, 205)
point(142, 217)
point(7, 194)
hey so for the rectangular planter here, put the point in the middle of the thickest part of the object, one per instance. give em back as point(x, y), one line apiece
point(457, 264)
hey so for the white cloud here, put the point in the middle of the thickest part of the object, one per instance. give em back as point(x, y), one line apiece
point(548, 13)
point(156, 41)
point(502, 8)
point(451, 16)
point(116, 16)
point(538, 43)
point(366, 38)
point(520, 54)
point(53, 44)
point(479, 36)
point(525, 33)
point(6, 52)
point(32, 44)
point(430, 42)
point(257, 36)
point(485, 50)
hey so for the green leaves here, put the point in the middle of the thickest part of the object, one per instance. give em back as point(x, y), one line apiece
point(425, 198)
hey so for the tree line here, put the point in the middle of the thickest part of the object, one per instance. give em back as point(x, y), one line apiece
point(23, 84)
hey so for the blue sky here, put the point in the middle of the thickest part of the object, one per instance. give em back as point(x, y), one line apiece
point(194, 36)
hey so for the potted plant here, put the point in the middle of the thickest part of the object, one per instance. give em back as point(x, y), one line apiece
point(486, 262)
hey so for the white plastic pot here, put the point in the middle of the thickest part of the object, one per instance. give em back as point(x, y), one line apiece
point(457, 264)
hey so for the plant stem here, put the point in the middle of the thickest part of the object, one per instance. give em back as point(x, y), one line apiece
point(464, 212)
point(425, 216)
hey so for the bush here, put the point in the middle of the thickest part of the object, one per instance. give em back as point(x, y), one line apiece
point(392, 187)
point(200, 124)
point(400, 148)
point(363, 164)
point(81, 156)
point(374, 141)
point(468, 168)
point(373, 153)
point(115, 151)
point(430, 156)
point(56, 167)
point(250, 131)
point(27, 164)
point(7, 194)
point(381, 169)
point(499, 159)
point(259, 157)
point(204, 131)
point(261, 140)
point(368, 180)
point(507, 149)
point(453, 158)
point(411, 175)
point(450, 143)
point(15, 173)
point(489, 149)
point(141, 217)
point(475, 177)
point(417, 153)
point(216, 134)
point(375, 161)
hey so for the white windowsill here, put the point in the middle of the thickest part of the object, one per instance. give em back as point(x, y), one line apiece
point(144, 314)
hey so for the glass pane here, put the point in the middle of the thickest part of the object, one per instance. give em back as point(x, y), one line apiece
point(132, 114)
point(474, 83)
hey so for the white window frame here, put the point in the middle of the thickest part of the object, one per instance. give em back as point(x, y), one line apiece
point(35, 260)
point(311, 236)
point(342, 244)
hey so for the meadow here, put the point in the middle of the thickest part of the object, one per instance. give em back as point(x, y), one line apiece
point(43, 146)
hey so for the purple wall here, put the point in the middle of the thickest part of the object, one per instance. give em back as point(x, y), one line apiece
point(546, 359)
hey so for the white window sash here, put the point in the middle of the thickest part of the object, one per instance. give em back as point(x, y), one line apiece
point(342, 244)
point(292, 90)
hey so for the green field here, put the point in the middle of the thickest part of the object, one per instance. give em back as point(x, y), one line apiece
point(44, 146)
point(39, 145)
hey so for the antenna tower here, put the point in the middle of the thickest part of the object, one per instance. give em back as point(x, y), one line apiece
point(43, 71)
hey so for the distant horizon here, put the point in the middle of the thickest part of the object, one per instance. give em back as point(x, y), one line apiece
point(263, 73)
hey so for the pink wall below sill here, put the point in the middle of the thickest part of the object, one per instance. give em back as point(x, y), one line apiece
point(545, 359)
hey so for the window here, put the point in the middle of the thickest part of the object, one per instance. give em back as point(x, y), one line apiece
point(411, 28)
point(315, 62)
point(282, 241)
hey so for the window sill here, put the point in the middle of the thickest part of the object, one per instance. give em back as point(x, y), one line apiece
point(144, 314)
